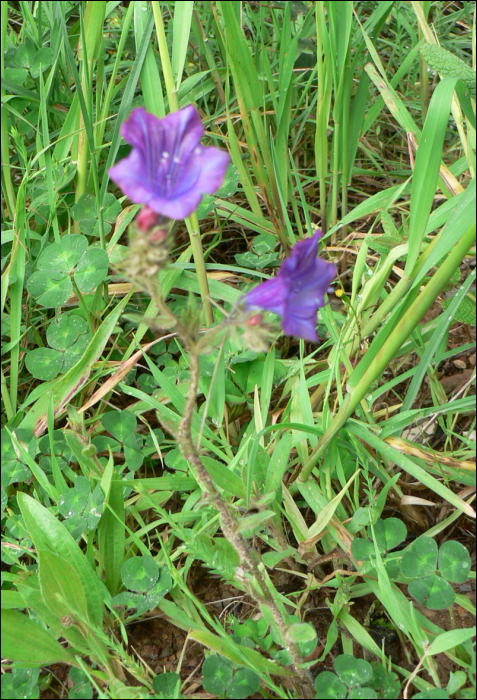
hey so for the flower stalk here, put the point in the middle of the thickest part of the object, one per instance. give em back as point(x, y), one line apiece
point(250, 572)
point(192, 222)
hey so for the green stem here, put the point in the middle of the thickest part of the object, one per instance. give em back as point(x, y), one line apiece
point(336, 177)
point(321, 143)
point(387, 306)
point(165, 58)
point(82, 303)
point(10, 198)
point(209, 58)
point(101, 125)
point(401, 331)
point(192, 222)
point(6, 399)
point(251, 571)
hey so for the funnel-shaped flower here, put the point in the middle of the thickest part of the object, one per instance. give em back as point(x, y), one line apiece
point(167, 168)
point(298, 290)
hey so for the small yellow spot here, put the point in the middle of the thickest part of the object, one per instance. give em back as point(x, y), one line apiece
point(339, 292)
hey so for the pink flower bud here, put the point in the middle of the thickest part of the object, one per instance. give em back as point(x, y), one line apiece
point(157, 235)
point(146, 218)
point(255, 320)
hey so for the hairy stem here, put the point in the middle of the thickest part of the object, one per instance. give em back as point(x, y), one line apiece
point(247, 560)
point(250, 572)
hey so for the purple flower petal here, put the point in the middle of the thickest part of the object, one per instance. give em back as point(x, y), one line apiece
point(179, 208)
point(214, 165)
point(168, 169)
point(298, 290)
point(271, 295)
point(301, 327)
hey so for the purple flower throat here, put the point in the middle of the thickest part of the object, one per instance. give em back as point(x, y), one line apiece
point(168, 169)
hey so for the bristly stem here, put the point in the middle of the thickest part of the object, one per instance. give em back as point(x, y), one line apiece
point(192, 222)
point(249, 572)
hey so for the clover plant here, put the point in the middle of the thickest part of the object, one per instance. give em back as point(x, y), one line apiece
point(147, 584)
point(356, 678)
point(64, 264)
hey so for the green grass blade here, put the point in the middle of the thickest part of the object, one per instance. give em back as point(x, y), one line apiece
point(427, 164)
point(180, 38)
point(408, 465)
point(383, 348)
point(150, 78)
point(433, 345)
point(111, 530)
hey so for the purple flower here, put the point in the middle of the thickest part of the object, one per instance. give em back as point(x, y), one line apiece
point(167, 168)
point(298, 290)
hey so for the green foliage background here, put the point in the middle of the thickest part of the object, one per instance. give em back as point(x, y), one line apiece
point(358, 118)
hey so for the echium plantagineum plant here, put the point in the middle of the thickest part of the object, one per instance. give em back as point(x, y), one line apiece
point(168, 171)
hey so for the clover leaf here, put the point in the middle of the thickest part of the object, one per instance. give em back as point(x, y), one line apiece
point(217, 674)
point(352, 674)
point(420, 559)
point(82, 688)
point(148, 584)
point(44, 58)
point(85, 213)
point(80, 507)
point(25, 54)
point(244, 682)
point(167, 684)
point(63, 332)
point(454, 561)
point(328, 685)
point(68, 336)
point(388, 533)
point(122, 426)
point(139, 574)
point(13, 467)
point(27, 57)
point(52, 289)
point(260, 254)
point(419, 563)
point(43, 363)
point(59, 262)
point(432, 591)
point(21, 683)
point(352, 671)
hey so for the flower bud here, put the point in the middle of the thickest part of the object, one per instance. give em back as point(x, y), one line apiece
point(149, 248)
point(256, 320)
point(146, 219)
point(255, 334)
point(158, 235)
